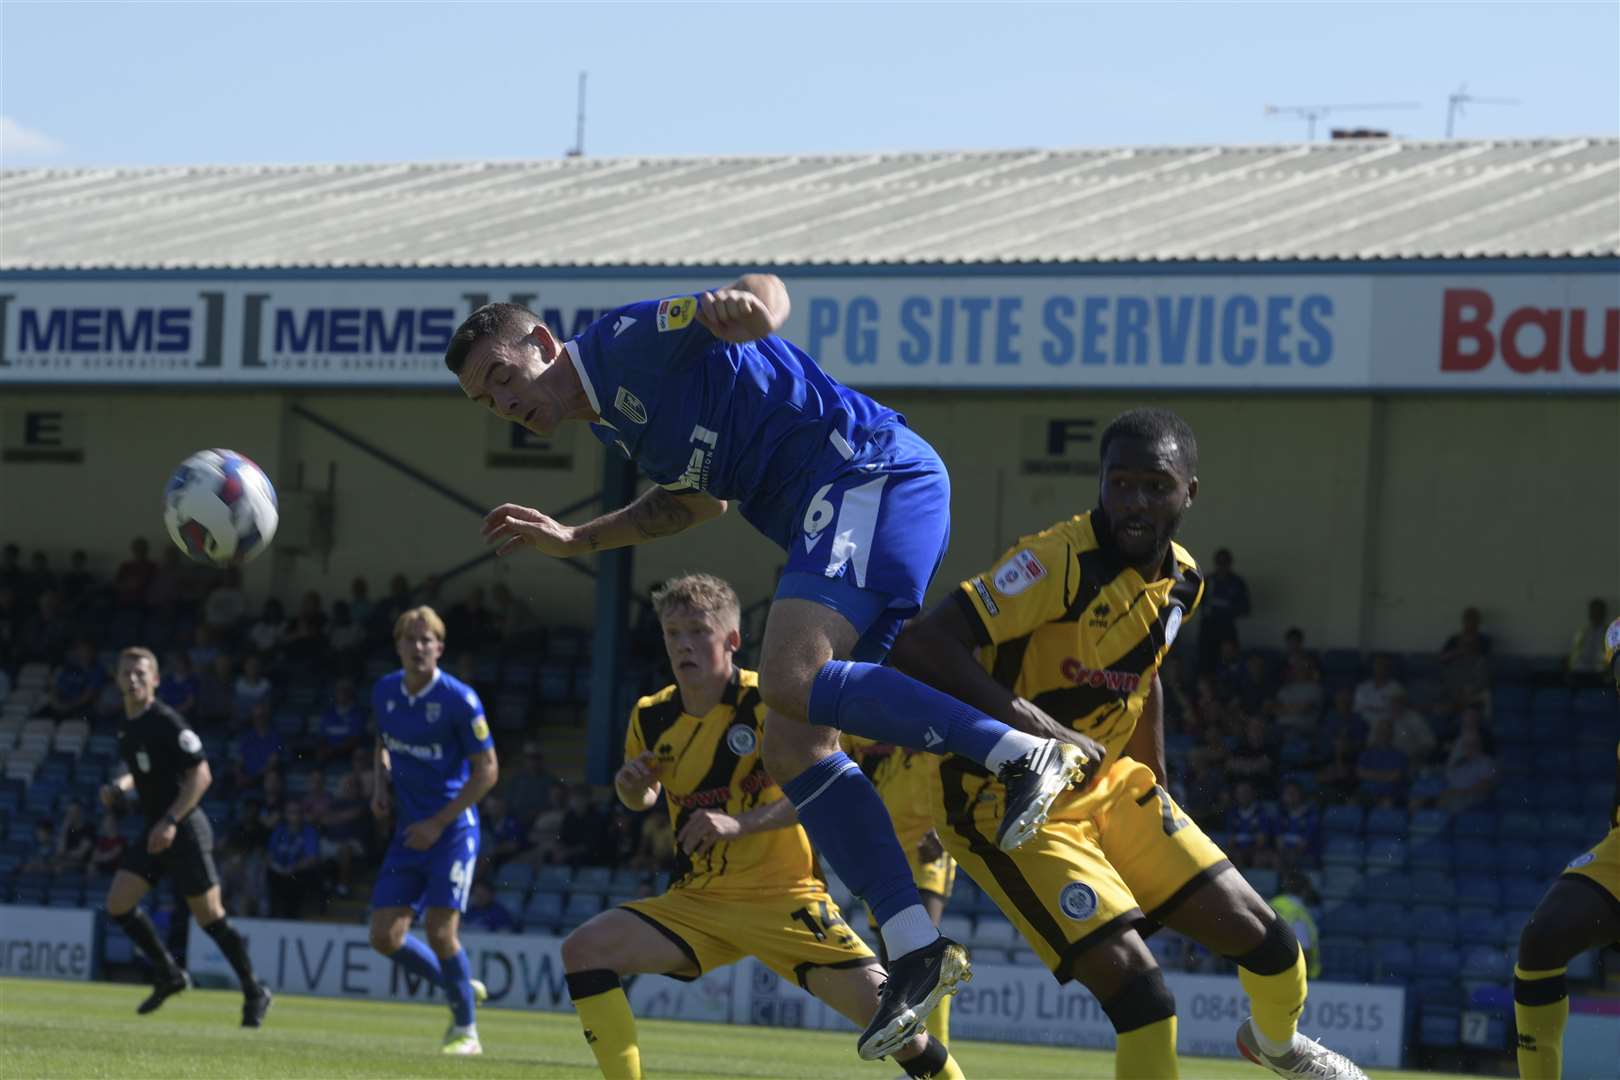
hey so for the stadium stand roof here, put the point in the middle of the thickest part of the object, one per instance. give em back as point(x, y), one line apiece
point(1358, 200)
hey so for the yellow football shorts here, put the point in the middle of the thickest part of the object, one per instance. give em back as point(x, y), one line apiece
point(1108, 859)
point(791, 934)
point(1600, 865)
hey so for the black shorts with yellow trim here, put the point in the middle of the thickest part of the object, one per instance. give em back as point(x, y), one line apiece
point(1121, 855)
point(1601, 867)
point(792, 933)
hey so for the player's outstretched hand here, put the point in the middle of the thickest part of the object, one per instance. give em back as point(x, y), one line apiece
point(639, 773)
point(705, 829)
point(510, 527)
point(734, 315)
point(929, 848)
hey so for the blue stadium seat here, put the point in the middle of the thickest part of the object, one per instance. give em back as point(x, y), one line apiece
point(1431, 823)
point(543, 909)
point(1476, 925)
point(1433, 923)
point(1521, 826)
point(1392, 888)
point(1474, 853)
point(1393, 962)
point(625, 881)
point(1432, 854)
point(1517, 859)
point(1433, 887)
point(1387, 919)
point(1486, 963)
point(1339, 849)
point(1595, 761)
point(1550, 701)
point(1385, 853)
point(1388, 821)
point(556, 683)
point(553, 878)
point(116, 947)
point(1509, 698)
point(593, 879)
point(1439, 1027)
point(1592, 701)
point(1560, 796)
point(1345, 959)
point(1340, 882)
point(1595, 801)
point(1475, 824)
point(581, 906)
point(1555, 856)
point(1479, 890)
point(1342, 818)
point(1438, 959)
point(1523, 892)
point(1509, 925)
point(511, 900)
point(1556, 763)
point(519, 876)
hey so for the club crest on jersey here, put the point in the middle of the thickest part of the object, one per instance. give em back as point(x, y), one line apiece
point(741, 740)
point(433, 711)
point(1018, 573)
point(1078, 901)
point(1172, 625)
point(1580, 860)
point(630, 405)
point(676, 314)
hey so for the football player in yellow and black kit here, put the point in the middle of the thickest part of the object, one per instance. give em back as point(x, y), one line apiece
point(1069, 629)
point(746, 882)
point(908, 783)
point(1581, 911)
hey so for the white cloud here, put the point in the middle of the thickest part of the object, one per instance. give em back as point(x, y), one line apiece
point(19, 141)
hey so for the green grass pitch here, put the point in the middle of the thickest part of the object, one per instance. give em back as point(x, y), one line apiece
point(84, 1030)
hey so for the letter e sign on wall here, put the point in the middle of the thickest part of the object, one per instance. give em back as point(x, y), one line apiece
point(42, 436)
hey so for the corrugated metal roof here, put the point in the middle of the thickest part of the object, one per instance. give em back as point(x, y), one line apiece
point(1375, 199)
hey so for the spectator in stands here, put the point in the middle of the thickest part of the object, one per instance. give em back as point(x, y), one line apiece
point(580, 837)
point(266, 633)
point(501, 833)
point(1295, 655)
point(1343, 718)
point(178, 690)
point(216, 690)
point(1375, 695)
point(346, 830)
point(510, 617)
point(485, 914)
point(74, 840)
point(545, 834)
point(1413, 734)
point(345, 637)
point(11, 615)
point(1382, 769)
point(163, 590)
point(226, 605)
point(1249, 830)
point(205, 648)
point(243, 872)
point(11, 568)
point(77, 582)
point(1585, 661)
point(1472, 721)
point(1226, 600)
point(1299, 828)
point(252, 687)
point(1294, 904)
point(109, 847)
point(258, 751)
point(1231, 671)
point(471, 622)
point(1465, 673)
point(42, 855)
point(343, 724)
point(273, 804)
point(75, 683)
point(527, 788)
point(1255, 759)
point(1339, 778)
point(1470, 774)
point(45, 637)
point(621, 835)
point(360, 606)
point(1470, 630)
point(293, 859)
point(1178, 704)
point(5, 676)
point(305, 643)
point(1300, 698)
point(134, 575)
point(396, 603)
point(39, 579)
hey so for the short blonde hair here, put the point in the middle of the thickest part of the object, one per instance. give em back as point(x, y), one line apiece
point(421, 613)
point(703, 593)
point(139, 652)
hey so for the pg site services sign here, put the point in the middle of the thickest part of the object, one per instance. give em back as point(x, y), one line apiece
point(1300, 332)
point(1003, 1002)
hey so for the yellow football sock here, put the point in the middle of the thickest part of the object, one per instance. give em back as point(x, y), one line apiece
point(939, 1021)
point(1541, 1009)
point(1148, 1051)
point(610, 1028)
point(1277, 1000)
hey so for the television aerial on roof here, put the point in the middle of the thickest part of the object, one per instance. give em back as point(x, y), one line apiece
point(1312, 113)
point(1456, 101)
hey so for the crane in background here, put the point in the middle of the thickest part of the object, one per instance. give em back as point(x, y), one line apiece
point(1456, 101)
point(1312, 113)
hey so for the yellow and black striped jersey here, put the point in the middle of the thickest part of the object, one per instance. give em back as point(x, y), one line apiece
point(712, 762)
point(1611, 649)
point(1065, 623)
point(906, 780)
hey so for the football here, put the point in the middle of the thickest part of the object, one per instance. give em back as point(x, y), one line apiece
point(220, 508)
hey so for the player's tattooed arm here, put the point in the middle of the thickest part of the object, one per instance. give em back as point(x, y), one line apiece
point(655, 513)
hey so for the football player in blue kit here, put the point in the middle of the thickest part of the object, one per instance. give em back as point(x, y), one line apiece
point(435, 760)
point(700, 392)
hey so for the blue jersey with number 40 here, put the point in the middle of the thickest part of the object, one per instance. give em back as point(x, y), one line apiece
point(755, 423)
point(429, 737)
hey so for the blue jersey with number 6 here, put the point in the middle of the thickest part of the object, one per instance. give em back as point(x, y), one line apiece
point(756, 423)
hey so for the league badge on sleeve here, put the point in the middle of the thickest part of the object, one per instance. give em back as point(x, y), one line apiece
point(189, 742)
point(1018, 573)
point(676, 313)
point(480, 728)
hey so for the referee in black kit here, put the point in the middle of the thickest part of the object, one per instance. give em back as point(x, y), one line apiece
point(168, 772)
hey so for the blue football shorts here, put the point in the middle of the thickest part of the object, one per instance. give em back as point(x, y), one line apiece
point(440, 877)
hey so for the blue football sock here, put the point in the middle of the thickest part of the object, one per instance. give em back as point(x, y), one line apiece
point(880, 703)
point(416, 958)
point(458, 986)
point(850, 828)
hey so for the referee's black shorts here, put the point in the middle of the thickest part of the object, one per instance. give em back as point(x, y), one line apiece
point(189, 860)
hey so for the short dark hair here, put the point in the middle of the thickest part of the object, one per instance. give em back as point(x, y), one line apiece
point(487, 321)
point(1153, 425)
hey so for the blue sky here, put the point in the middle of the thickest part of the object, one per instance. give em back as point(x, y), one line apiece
point(134, 84)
